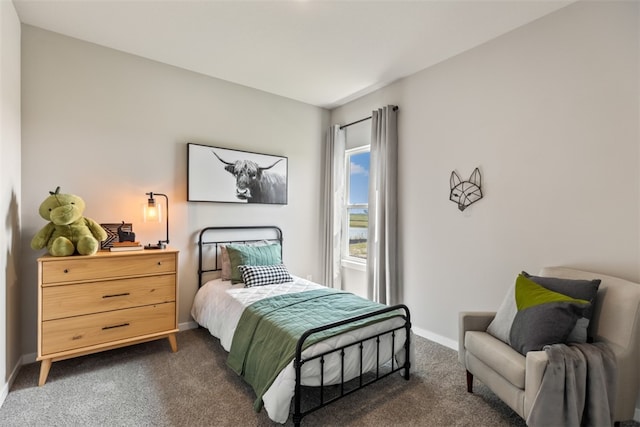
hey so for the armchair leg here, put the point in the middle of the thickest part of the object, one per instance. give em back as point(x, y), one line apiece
point(469, 382)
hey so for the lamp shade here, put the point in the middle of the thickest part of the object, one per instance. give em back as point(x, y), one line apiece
point(152, 212)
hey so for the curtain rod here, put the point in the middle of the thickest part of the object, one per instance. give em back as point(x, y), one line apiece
point(395, 108)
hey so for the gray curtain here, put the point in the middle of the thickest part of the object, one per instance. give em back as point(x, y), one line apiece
point(382, 269)
point(333, 196)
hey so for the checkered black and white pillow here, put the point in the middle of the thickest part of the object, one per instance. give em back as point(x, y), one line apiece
point(259, 275)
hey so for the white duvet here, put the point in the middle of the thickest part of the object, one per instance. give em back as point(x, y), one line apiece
point(218, 306)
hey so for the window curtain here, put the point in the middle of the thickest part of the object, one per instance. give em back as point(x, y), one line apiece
point(382, 269)
point(333, 195)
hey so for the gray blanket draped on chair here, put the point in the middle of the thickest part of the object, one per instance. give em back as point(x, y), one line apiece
point(578, 387)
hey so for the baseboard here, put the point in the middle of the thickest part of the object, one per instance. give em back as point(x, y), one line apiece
point(4, 393)
point(28, 358)
point(188, 325)
point(7, 386)
point(447, 342)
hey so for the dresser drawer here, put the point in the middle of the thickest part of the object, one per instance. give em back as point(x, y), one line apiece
point(96, 297)
point(93, 329)
point(73, 269)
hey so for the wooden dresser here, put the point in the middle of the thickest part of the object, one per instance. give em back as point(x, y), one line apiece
point(94, 303)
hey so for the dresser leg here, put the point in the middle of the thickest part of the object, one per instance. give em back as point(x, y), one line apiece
point(44, 371)
point(173, 342)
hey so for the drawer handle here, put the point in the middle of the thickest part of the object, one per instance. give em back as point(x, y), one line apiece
point(66, 270)
point(159, 262)
point(116, 295)
point(115, 326)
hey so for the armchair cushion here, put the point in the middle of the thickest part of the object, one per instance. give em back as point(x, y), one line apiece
point(497, 355)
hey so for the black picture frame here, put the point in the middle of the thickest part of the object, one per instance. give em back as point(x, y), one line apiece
point(225, 175)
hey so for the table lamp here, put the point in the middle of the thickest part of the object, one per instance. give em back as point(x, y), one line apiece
point(153, 213)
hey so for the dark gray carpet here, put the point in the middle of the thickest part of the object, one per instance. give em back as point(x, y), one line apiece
point(147, 385)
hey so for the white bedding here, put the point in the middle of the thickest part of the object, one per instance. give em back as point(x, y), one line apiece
point(218, 306)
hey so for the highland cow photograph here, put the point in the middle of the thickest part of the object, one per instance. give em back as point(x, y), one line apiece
point(218, 174)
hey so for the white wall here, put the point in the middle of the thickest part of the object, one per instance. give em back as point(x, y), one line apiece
point(549, 113)
point(10, 191)
point(110, 126)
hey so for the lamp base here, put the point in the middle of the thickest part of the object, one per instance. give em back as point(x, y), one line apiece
point(158, 246)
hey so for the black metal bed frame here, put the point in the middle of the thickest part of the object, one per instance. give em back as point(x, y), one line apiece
point(362, 379)
point(277, 232)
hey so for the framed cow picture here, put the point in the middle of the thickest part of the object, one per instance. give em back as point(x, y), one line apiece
point(216, 174)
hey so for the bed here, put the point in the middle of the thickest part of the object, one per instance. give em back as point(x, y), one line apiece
point(291, 339)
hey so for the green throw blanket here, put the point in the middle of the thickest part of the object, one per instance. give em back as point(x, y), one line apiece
point(265, 339)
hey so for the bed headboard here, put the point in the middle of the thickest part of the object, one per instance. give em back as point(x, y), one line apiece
point(210, 239)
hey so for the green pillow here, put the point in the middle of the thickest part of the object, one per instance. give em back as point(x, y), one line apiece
point(252, 255)
point(544, 317)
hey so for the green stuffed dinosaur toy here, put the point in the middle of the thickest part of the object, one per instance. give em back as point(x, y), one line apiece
point(68, 231)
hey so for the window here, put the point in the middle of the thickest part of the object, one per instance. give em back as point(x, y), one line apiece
point(357, 203)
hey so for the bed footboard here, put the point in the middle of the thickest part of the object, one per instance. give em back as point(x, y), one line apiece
point(364, 378)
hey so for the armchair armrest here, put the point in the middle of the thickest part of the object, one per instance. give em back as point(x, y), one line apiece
point(535, 366)
point(471, 321)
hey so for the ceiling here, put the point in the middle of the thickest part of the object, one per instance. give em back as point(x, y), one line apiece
point(320, 52)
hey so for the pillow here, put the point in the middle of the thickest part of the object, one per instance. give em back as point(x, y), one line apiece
point(226, 262)
point(260, 275)
point(252, 255)
point(500, 326)
point(544, 317)
point(579, 289)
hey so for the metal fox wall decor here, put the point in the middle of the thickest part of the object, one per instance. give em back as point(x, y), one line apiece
point(465, 193)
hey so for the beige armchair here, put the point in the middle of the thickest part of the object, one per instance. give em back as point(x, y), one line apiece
point(516, 379)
